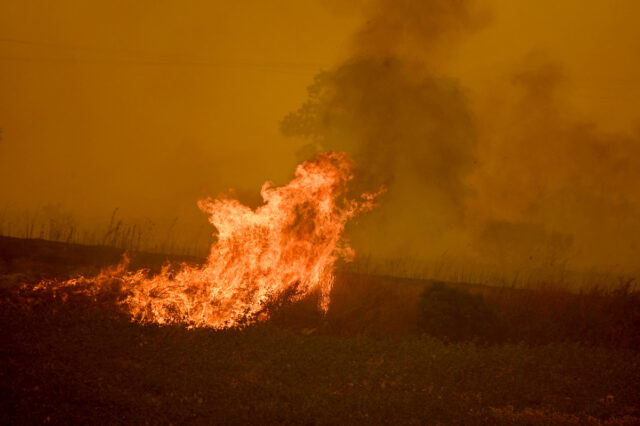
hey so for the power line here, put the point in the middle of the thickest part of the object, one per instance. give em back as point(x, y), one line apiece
point(61, 46)
point(273, 65)
point(155, 60)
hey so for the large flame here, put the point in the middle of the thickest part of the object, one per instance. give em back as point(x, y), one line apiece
point(289, 245)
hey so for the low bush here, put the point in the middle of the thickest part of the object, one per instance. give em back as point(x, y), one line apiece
point(455, 315)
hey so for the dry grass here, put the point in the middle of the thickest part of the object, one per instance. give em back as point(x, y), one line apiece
point(52, 223)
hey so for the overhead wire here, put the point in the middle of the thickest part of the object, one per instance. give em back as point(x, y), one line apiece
point(143, 58)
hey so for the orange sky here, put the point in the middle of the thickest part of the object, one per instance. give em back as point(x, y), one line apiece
point(141, 106)
point(147, 106)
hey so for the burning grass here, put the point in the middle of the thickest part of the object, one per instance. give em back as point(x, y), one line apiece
point(290, 242)
point(360, 303)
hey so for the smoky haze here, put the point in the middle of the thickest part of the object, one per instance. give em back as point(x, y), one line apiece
point(505, 132)
point(147, 108)
point(512, 179)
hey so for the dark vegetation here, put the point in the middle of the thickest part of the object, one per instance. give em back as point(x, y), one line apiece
point(388, 351)
point(454, 315)
point(535, 316)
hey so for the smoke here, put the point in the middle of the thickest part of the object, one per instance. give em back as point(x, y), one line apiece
point(491, 155)
point(509, 177)
point(408, 126)
point(545, 167)
point(416, 30)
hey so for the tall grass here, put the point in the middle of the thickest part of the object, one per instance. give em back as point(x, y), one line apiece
point(551, 275)
point(54, 224)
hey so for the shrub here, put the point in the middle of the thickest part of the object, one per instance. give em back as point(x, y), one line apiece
point(455, 315)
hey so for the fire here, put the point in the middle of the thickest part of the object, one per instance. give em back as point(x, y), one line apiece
point(289, 245)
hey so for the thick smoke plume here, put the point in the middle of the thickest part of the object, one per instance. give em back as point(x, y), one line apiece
point(510, 180)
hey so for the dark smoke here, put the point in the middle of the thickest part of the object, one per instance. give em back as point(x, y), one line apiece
point(510, 181)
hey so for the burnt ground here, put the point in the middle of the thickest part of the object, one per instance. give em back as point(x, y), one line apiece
point(528, 357)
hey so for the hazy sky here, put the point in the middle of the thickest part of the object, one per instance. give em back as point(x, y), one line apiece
point(149, 105)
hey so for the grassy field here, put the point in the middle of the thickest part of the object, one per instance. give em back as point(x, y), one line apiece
point(370, 360)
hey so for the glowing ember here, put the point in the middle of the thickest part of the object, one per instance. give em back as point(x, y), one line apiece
point(289, 245)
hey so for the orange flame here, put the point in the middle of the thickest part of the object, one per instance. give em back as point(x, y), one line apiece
point(291, 242)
